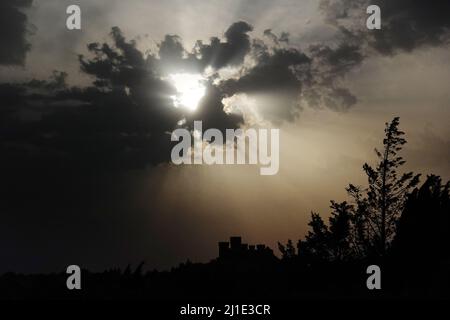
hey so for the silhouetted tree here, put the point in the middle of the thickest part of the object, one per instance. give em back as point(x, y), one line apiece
point(420, 250)
point(366, 227)
point(331, 242)
point(315, 245)
point(287, 251)
point(340, 231)
point(380, 204)
point(423, 229)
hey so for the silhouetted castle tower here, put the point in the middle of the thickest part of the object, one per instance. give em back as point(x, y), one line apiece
point(236, 249)
point(224, 248)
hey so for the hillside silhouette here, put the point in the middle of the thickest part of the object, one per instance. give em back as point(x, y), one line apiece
point(396, 222)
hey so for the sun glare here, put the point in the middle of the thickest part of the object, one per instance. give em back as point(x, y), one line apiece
point(190, 90)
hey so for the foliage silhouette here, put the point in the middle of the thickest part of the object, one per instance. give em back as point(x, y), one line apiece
point(366, 227)
point(384, 198)
point(421, 246)
point(287, 251)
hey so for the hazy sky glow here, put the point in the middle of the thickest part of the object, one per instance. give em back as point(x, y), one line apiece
point(166, 214)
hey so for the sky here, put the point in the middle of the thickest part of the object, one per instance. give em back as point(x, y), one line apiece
point(86, 170)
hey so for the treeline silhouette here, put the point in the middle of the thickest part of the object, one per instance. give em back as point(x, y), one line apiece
point(393, 222)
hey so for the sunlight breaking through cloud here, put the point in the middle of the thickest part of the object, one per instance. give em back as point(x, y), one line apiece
point(190, 90)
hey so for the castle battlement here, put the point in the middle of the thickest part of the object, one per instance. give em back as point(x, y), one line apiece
point(236, 249)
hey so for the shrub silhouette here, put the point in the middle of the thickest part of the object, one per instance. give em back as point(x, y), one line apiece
point(420, 249)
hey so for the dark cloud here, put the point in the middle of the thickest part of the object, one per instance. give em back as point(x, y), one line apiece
point(13, 32)
point(406, 24)
point(173, 57)
point(329, 67)
point(284, 37)
point(277, 76)
point(231, 52)
point(288, 78)
point(337, 61)
point(124, 119)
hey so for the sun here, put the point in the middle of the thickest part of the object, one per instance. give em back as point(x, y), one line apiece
point(190, 90)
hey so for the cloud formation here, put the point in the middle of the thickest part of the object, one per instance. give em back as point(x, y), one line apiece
point(14, 29)
point(232, 52)
point(406, 24)
point(124, 119)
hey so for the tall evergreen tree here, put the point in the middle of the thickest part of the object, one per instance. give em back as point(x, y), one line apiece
point(368, 226)
point(380, 204)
